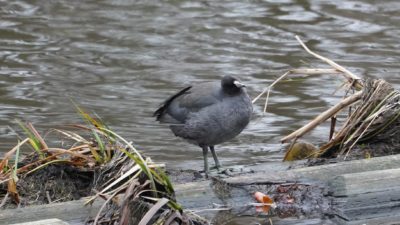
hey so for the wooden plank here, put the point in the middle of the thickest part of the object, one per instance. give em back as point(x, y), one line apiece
point(365, 182)
point(198, 195)
point(299, 221)
point(322, 173)
point(327, 172)
point(382, 220)
point(74, 212)
point(368, 177)
point(368, 195)
point(44, 222)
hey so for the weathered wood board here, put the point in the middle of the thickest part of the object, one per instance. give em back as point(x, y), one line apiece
point(365, 192)
point(73, 212)
point(368, 197)
point(44, 222)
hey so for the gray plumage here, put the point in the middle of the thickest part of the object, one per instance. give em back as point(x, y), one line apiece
point(208, 114)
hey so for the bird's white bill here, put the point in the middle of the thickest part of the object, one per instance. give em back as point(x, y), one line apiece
point(238, 84)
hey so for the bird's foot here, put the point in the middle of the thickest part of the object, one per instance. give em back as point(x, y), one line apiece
point(211, 173)
point(237, 170)
point(202, 173)
point(218, 168)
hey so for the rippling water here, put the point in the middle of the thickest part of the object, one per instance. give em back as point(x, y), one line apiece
point(122, 58)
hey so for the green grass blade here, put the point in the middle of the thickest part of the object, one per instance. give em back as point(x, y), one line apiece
point(35, 143)
point(100, 144)
point(96, 155)
point(86, 117)
point(110, 136)
point(14, 172)
point(166, 180)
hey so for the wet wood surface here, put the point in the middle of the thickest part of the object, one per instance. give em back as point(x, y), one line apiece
point(364, 192)
point(72, 212)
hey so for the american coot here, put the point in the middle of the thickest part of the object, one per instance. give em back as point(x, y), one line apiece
point(208, 114)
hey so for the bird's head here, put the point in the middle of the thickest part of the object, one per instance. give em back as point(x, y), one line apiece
point(231, 85)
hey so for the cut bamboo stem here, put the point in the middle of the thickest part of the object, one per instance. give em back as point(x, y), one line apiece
point(323, 117)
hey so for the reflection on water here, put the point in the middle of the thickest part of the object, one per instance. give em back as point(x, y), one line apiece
point(122, 58)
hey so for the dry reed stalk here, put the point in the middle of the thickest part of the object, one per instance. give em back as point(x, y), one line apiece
point(352, 79)
point(11, 152)
point(323, 117)
point(38, 136)
point(306, 71)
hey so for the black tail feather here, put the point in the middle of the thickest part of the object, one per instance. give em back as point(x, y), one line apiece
point(161, 111)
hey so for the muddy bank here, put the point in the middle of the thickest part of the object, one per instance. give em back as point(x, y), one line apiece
point(53, 183)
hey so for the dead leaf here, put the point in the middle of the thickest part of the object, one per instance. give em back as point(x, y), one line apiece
point(12, 189)
point(265, 199)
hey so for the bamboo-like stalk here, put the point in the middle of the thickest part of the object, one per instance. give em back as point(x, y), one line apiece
point(323, 117)
point(354, 80)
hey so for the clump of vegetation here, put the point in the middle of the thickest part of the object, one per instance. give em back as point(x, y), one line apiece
point(89, 160)
point(371, 124)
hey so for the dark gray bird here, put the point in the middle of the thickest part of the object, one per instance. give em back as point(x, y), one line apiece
point(208, 114)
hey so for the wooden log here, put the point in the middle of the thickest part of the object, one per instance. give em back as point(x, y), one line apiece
point(368, 195)
point(321, 173)
point(346, 180)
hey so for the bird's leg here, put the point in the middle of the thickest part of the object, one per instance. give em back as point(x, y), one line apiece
point(205, 151)
point(217, 164)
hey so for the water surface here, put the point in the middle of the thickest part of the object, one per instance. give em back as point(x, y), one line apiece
point(122, 58)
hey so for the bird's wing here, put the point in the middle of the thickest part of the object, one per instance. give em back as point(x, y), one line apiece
point(190, 99)
point(199, 97)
